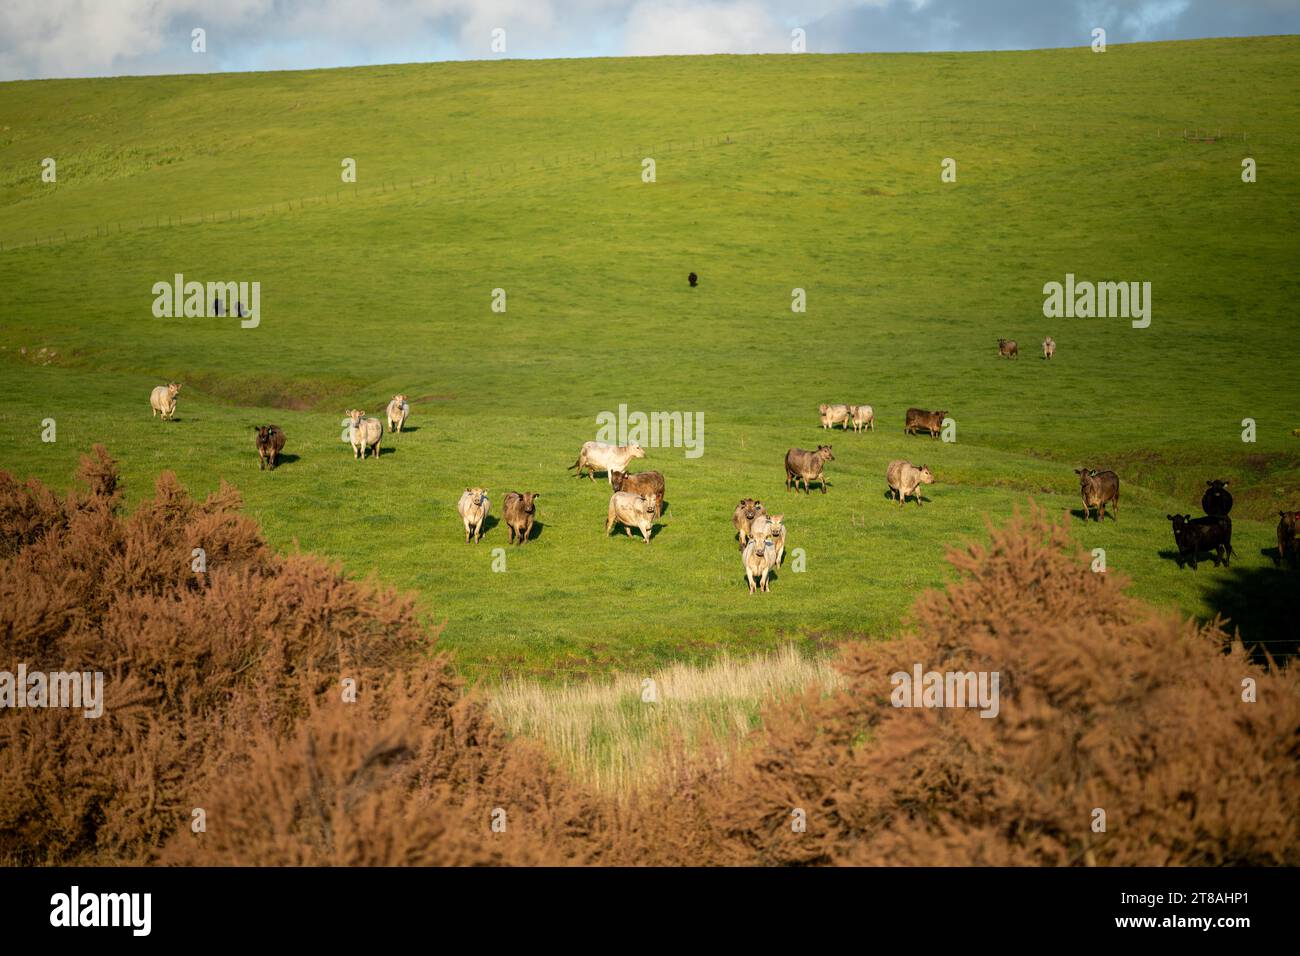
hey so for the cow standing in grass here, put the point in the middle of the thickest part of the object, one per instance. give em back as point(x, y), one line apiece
point(163, 400)
point(473, 507)
point(597, 456)
point(806, 466)
point(1098, 488)
point(1007, 348)
point(364, 434)
point(1049, 347)
point(743, 517)
point(520, 510)
point(397, 411)
point(270, 442)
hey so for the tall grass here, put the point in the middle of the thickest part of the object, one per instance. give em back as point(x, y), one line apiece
point(606, 734)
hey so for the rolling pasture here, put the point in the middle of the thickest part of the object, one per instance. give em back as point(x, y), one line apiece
point(772, 173)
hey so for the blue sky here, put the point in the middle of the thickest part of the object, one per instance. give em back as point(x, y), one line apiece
point(55, 38)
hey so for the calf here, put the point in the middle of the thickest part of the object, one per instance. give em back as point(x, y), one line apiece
point(905, 479)
point(473, 507)
point(1098, 488)
point(771, 529)
point(1216, 500)
point(1049, 347)
point(597, 456)
point(1007, 348)
point(833, 415)
point(270, 442)
point(364, 434)
point(759, 557)
point(398, 409)
point(743, 517)
point(1288, 545)
point(864, 416)
point(919, 418)
point(163, 400)
point(692, 279)
point(631, 511)
point(520, 511)
point(1208, 533)
point(806, 466)
point(644, 483)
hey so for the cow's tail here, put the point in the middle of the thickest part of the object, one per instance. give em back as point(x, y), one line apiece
point(575, 464)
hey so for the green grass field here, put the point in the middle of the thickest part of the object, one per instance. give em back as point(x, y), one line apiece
point(773, 172)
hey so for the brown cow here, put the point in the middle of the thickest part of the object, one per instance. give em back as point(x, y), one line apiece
point(643, 483)
point(1288, 546)
point(270, 442)
point(743, 517)
point(919, 418)
point(1007, 348)
point(806, 466)
point(1098, 488)
point(520, 511)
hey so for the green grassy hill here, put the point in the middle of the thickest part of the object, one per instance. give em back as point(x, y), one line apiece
point(773, 172)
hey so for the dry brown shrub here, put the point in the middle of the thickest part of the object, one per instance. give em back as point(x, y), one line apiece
point(223, 692)
point(1104, 704)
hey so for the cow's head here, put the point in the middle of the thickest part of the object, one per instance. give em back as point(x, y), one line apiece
point(635, 451)
point(355, 415)
point(1179, 521)
point(824, 453)
point(925, 477)
point(476, 495)
point(529, 506)
point(616, 478)
point(173, 389)
point(399, 399)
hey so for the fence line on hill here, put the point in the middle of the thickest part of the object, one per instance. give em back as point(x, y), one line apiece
point(473, 175)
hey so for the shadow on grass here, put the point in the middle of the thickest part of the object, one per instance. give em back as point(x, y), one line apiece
point(1084, 516)
point(1259, 605)
point(534, 533)
point(283, 459)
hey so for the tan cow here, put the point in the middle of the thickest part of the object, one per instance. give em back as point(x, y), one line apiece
point(363, 434)
point(520, 511)
point(743, 517)
point(597, 456)
point(805, 466)
point(473, 507)
point(1049, 347)
point(770, 528)
point(833, 415)
point(759, 557)
point(163, 400)
point(631, 511)
point(398, 409)
point(906, 479)
point(864, 416)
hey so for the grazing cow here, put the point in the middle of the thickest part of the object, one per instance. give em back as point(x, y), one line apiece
point(398, 409)
point(473, 507)
point(520, 512)
point(645, 483)
point(905, 479)
point(806, 466)
point(1098, 489)
point(597, 456)
point(1216, 500)
point(270, 442)
point(1007, 348)
point(363, 434)
point(758, 557)
point(864, 416)
point(770, 528)
point(1208, 533)
point(1049, 347)
point(833, 415)
point(631, 511)
point(1288, 545)
point(163, 400)
point(692, 279)
point(743, 517)
point(919, 419)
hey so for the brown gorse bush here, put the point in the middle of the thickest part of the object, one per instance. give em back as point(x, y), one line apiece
point(223, 692)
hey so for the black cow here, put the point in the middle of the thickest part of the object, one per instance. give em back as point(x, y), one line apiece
point(1208, 533)
point(1216, 500)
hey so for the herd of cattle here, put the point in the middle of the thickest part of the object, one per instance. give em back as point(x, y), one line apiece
point(637, 499)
